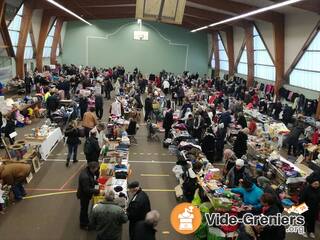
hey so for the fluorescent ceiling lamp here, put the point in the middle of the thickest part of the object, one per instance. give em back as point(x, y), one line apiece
point(245, 15)
point(68, 11)
point(199, 29)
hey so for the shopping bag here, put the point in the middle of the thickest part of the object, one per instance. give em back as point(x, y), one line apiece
point(201, 233)
point(196, 199)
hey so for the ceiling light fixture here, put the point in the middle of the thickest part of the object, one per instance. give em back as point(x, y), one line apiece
point(68, 11)
point(261, 10)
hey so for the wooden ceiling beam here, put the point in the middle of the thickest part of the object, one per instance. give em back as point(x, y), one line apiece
point(33, 41)
point(6, 37)
point(215, 47)
point(2, 8)
point(308, 5)
point(44, 29)
point(110, 16)
point(24, 30)
point(41, 4)
point(250, 55)
point(279, 43)
point(230, 49)
point(214, 17)
point(196, 23)
point(239, 8)
point(55, 42)
point(98, 13)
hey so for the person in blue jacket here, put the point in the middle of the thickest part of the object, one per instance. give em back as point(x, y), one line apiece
point(250, 193)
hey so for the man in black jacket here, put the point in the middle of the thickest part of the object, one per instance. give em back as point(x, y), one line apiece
point(52, 103)
point(83, 105)
point(108, 88)
point(86, 189)
point(148, 108)
point(65, 86)
point(138, 207)
point(28, 83)
point(146, 229)
point(167, 122)
point(99, 106)
point(92, 148)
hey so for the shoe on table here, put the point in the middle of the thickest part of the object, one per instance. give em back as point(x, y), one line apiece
point(311, 235)
point(305, 235)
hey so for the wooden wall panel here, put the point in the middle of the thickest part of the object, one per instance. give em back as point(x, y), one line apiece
point(44, 29)
point(6, 37)
point(215, 46)
point(250, 54)
point(24, 30)
point(278, 32)
point(2, 8)
point(230, 50)
point(56, 41)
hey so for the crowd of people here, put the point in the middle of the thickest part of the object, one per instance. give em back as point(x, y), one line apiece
point(208, 123)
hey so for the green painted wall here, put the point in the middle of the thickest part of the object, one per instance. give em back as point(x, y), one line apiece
point(110, 43)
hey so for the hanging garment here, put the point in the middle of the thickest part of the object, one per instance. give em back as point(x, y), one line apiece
point(116, 108)
point(290, 96)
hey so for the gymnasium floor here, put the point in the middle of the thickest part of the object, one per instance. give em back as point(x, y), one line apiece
point(51, 209)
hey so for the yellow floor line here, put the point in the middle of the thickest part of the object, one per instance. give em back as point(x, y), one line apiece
point(48, 194)
point(154, 175)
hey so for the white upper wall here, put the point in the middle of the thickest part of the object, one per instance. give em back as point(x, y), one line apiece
point(209, 46)
point(238, 38)
point(36, 24)
point(63, 32)
point(298, 28)
point(224, 39)
point(266, 30)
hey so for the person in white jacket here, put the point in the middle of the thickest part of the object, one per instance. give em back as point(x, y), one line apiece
point(166, 86)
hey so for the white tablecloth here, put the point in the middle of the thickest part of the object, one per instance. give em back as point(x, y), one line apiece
point(48, 145)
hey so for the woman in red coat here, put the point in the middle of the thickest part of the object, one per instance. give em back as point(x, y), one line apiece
point(252, 126)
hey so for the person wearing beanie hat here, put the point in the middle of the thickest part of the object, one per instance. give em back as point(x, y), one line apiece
point(311, 197)
point(239, 163)
point(314, 176)
point(138, 207)
point(237, 174)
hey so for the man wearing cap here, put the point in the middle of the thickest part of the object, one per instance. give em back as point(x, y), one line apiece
point(107, 218)
point(138, 207)
point(86, 189)
point(237, 174)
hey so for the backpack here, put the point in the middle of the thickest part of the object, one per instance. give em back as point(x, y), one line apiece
point(87, 147)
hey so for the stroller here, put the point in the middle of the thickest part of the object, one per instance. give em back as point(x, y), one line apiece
point(152, 132)
point(63, 115)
